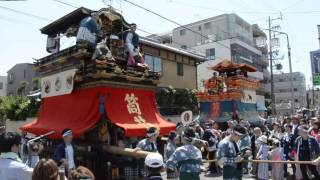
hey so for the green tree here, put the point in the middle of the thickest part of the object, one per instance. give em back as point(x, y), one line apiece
point(21, 91)
point(14, 107)
point(35, 83)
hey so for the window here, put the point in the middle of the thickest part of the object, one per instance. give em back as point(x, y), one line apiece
point(296, 100)
point(154, 63)
point(207, 25)
point(11, 78)
point(1, 85)
point(295, 89)
point(24, 74)
point(182, 32)
point(281, 80)
point(199, 28)
point(180, 69)
point(184, 47)
point(210, 54)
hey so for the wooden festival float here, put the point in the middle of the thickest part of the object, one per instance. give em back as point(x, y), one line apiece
point(229, 93)
point(102, 101)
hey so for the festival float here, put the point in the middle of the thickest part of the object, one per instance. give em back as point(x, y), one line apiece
point(101, 99)
point(229, 94)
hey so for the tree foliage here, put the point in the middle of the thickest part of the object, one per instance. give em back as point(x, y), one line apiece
point(172, 101)
point(18, 107)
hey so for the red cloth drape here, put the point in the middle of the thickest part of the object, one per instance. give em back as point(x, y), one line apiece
point(79, 111)
point(116, 107)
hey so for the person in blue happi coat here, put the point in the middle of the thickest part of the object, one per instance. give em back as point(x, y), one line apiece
point(187, 158)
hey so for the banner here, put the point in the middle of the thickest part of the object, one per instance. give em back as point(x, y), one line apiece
point(249, 96)
point(57, 84)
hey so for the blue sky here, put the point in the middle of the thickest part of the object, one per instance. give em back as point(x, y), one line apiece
point(21, 40)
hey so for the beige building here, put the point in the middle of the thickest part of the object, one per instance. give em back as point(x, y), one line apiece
point(178, 68)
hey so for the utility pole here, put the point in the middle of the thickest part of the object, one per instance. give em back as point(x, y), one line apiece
point(290, 69)
point(273, 103)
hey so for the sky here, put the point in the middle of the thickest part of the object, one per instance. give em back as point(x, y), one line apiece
point(21, 41)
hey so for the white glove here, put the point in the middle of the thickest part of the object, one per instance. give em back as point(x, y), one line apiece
point(221, 161)
point(238, 159)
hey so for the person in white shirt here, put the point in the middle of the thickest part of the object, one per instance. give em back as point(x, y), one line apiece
point(64, 153)
point(11, 166)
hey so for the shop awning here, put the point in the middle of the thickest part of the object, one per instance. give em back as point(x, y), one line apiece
point(132, 109)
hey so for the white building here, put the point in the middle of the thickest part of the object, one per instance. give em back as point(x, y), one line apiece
point(226, 36)
point(3, 85)
point(282, 92)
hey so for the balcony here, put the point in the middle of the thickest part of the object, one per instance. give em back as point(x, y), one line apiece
point(266, 75)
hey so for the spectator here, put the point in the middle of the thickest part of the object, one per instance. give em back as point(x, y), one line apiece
point(286, 144)
point(276, 132)
point(11, 166)
point(263, 172)
point(46, 169)
point(276, 154)
point(307, 149)
point(315, 128)
point(255, 145)
point(154, 165)
point(81, 173)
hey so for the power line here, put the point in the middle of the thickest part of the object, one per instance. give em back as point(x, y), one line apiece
point(292, 5)
point(174, 22)
point(24, 13)
point(203, 52)
point(61, 2)
point(226, 11)
point(17, 21)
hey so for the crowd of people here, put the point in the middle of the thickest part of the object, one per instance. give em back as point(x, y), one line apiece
point(188, 150)
point(285, 139)
point(14, 167)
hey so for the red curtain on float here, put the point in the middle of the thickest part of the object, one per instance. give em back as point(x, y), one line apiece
point(77, 111)
point(132, 109)
point(135, 110)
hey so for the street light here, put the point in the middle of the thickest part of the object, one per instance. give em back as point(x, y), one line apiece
point(290, 66)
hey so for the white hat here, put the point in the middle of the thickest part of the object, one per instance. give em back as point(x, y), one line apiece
point(154, 160)
point(263, 139)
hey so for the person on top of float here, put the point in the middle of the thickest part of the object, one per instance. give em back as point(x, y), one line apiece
point(131, 39)
point(90, 31)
